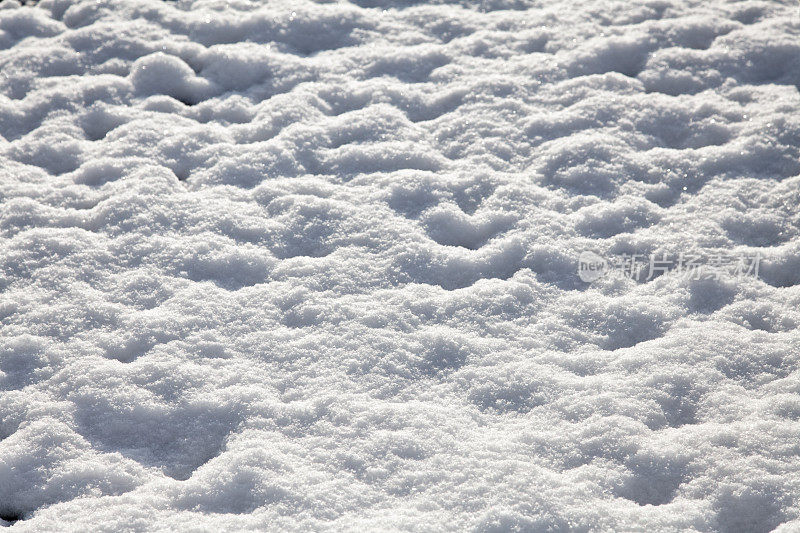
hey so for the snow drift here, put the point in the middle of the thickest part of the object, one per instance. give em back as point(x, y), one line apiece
point(312, 266)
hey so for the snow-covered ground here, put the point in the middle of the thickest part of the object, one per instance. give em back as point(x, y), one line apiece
point(314, 266)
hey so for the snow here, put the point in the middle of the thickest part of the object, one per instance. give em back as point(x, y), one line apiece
point(313, 265)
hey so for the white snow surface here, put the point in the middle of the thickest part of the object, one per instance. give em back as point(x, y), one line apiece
point(312, 266)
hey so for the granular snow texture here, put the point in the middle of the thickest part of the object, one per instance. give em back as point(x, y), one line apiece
point(312, 266)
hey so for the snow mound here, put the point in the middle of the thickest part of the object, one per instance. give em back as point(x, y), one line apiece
point(313, 265)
